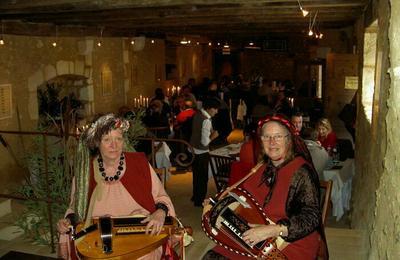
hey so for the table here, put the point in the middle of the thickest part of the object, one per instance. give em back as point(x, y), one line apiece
point(227, 150)
point(342, 176)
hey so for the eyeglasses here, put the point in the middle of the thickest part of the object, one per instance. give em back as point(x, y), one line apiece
point(276, 138)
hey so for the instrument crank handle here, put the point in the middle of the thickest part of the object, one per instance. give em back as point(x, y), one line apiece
point(83, 232)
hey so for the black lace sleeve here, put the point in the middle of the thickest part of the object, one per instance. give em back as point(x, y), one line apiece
point(302, 206)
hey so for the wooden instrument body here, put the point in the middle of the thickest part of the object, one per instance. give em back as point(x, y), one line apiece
point(128, 242)
point(228, 219)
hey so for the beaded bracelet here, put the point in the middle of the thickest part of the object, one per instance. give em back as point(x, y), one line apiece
point(163, 207)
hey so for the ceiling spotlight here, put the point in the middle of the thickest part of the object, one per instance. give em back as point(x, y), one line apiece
point(132, 42)
point(218, 43)
point(1, 41)
point(209, 44)
point(152, 41)
point(54, 44)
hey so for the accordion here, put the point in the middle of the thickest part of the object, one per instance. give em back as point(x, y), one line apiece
point(229, 218)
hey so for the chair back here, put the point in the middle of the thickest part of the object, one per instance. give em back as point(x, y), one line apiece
point(220, 168)
point(326, 190)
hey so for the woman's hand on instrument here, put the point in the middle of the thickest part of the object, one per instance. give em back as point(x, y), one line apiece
point(155, 222)
point(206, 206)
point(258, 233)
point(63, 225)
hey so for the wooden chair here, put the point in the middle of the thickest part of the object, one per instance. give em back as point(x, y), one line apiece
point(326, 190)
point(221, 168)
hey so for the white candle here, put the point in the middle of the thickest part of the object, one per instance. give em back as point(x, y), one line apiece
point(167, 91)
point(140, 100)
point(179, 89)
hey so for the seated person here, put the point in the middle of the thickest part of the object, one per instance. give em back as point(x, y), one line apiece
point(113, 183)
point(248, 155)
point(297, 121)
point(287, 186)
point(326, 137)
point(156, 118)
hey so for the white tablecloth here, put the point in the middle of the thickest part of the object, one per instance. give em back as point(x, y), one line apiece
point(341, 189)
point(227, 150)
point(162, 157)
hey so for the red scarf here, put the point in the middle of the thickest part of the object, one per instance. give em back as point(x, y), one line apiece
point(137, 180)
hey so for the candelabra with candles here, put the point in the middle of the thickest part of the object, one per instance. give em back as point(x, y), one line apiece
point(140, 102)
point(173, 91)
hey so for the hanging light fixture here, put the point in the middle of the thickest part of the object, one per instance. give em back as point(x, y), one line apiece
point(184, 41)
point(2, 33)
point(311, 24)
point(55, 40)
point(101, 37)
point(303, 11)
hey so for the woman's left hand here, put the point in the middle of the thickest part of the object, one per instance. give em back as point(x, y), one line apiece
point(155, 222)
point(259, 233)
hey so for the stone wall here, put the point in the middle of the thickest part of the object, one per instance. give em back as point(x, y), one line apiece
point(376, 195)
point(28, 62)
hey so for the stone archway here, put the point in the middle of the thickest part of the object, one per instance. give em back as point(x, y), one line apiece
point(63, 70)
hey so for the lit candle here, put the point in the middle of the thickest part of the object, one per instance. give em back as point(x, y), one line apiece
point(179, 89)
point(147, 102)
point(140, 100)
point(134, 102)
point(167, 91)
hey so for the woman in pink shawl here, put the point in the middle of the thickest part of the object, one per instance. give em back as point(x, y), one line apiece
point(114, 183)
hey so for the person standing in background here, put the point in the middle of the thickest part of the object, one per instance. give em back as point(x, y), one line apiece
point(202, 135)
